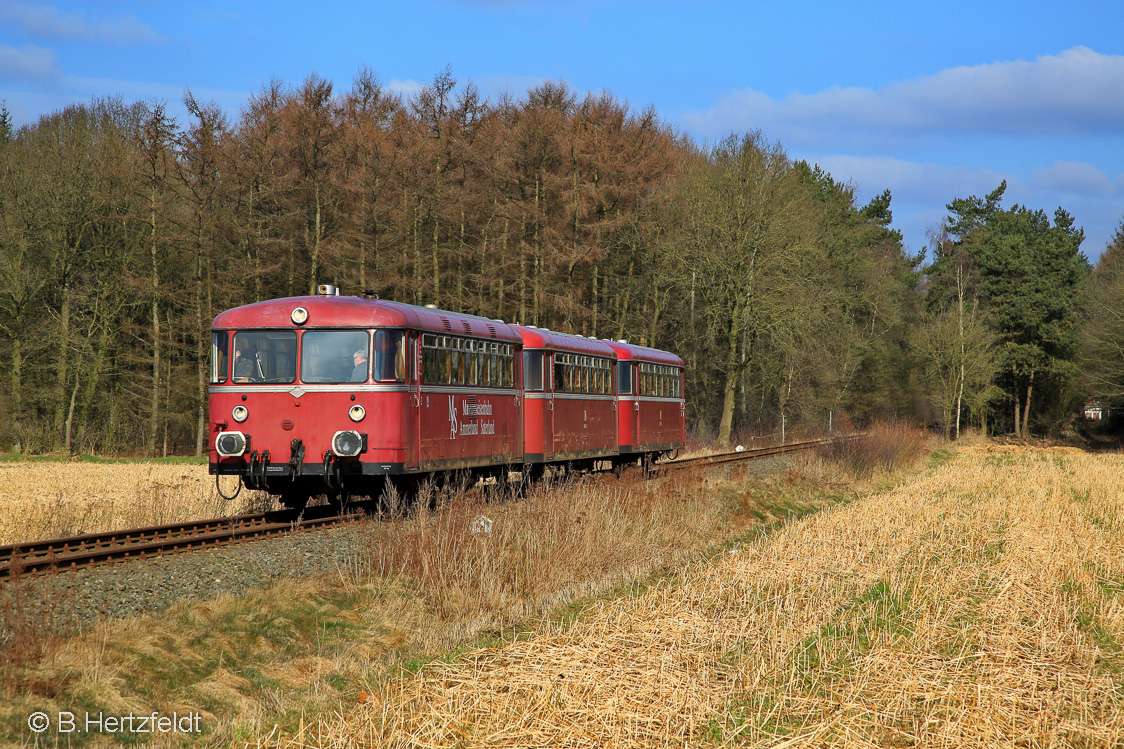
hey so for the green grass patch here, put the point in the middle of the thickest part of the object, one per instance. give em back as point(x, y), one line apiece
point(940, 456)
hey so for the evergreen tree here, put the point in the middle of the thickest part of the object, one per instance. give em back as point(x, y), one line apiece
point(1027, 273)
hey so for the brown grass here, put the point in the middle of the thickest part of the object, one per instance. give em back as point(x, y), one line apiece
point(978, 605)
point(414, 590)
point(49, 499)
point(883, 447)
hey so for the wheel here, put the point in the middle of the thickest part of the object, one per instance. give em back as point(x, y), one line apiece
point(339, 500)
point(294, 499)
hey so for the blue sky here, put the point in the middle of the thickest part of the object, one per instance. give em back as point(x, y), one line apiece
point(932, 100)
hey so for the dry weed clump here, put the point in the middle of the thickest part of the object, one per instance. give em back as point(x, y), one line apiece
point(558, 543)
point(883, 447)
point(49, 499)
point(978, 605)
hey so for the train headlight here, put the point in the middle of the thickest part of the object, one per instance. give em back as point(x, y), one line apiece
point(230, 444)
point(357, 413)
point(240, 413)
point(347, 443)
point(300, 316)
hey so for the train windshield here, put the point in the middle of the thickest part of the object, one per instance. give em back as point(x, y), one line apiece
point(335, 356)
point(265, 356)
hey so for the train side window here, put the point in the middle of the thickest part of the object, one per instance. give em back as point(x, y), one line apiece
point(390, 356)
point(456, 369)
point(624, 378)
point(410, 354)
point(559, 373)
point(444, 365)
point(429, 366)
point(532, 371)
point(470, 368)
point(220, 356)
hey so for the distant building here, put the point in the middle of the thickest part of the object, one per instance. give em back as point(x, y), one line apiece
point(1093, 410)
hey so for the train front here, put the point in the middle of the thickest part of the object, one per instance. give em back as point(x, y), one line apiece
point(308, 396)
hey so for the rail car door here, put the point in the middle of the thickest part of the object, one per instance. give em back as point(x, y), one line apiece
point(413, 403)
point(637, 439)
point(629, 402)
point(548, 405)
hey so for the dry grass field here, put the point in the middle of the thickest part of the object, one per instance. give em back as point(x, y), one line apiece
point(47, 499)
point(410, 591)
point(977, 605)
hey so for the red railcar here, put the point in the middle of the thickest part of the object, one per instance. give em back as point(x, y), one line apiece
point(337, 395)
point(570, 405)
point(330, 394)
point(651, 416)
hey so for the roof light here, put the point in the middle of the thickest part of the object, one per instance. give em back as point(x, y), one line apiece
point(300, 316)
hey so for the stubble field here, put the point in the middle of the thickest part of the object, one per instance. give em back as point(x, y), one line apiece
point(977, 605)
point(47, 499)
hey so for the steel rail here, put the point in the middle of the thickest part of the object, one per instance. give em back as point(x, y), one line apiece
point(94, 548)
point(758, 453)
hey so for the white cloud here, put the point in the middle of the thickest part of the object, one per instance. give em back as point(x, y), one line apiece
point(27, 61)
point(48, 23)
point(921, 191)
point(406, 88)
point(1075, 92)
point(1072, 177)
point(912, 181)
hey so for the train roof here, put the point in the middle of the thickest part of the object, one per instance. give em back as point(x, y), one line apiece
point(632, 352)
point(536, 338)
point(361, 312)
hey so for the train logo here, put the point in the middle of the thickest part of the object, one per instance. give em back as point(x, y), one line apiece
point(452, 419)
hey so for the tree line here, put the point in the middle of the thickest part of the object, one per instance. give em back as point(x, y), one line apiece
point(123, 232)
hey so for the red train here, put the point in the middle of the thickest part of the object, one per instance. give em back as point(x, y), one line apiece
point(335, 395)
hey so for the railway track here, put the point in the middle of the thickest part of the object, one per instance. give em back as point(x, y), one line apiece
point(63, 554)
point(759, 453)
point(77, 552)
